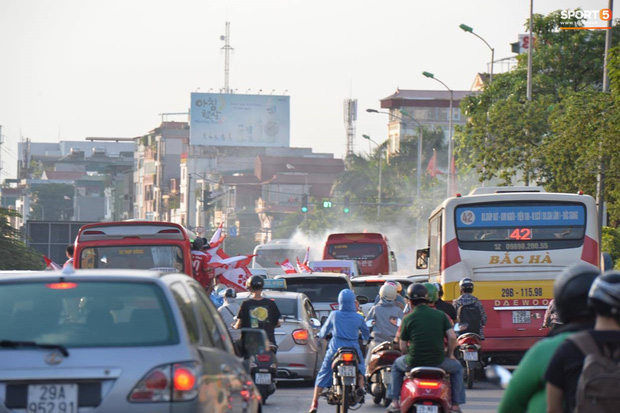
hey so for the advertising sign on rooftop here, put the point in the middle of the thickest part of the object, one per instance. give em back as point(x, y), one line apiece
point(218, 119)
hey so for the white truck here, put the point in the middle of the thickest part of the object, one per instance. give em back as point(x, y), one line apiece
point(278, 250)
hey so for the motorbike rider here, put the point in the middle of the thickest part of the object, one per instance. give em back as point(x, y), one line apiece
point(400, 301)
point(422, 343)
point(442, 305)
point(345, 324)
point(229, 311)
point(258, 311)
point(201, 271)
point(385, 315)
point(469, 308)
point(526, 391)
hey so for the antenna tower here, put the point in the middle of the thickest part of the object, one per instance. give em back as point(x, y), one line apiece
point(350, 116)
point(227, 48)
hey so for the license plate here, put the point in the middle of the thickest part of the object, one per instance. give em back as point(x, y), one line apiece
point(347, 371)
point(262, 378)
point(422, 408)
point(521, 317)
point(470, 356)
point(57, 398)
point(387, 377)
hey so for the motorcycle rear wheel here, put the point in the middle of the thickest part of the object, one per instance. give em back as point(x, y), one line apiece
point(343, 406)
point(470, 372)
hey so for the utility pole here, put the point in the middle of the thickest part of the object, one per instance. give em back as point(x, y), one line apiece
point(1, 142)
point(529, 54)
point(600, 177)
point(227, 48)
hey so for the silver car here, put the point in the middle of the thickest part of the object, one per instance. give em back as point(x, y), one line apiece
point(321, 288)
point(300, 352)
point(116, 341)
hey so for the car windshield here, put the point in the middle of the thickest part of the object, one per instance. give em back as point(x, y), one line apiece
point(355, 251)
point(287, 306)
point(140, 257)
point(267, 258)
point(368, 289)
point(324, 289)
point(86, 314)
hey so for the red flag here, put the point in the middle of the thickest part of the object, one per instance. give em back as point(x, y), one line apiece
point(51, 265)
point(307, 257)
point(287, 266)
point(302, 267)
point(432, 166)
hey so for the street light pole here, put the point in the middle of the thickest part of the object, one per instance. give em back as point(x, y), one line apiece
point(450, 142)
point(380, 172)
point(468, 29)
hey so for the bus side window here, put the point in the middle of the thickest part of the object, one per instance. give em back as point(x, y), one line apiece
point(421, 262)
point(434, 253)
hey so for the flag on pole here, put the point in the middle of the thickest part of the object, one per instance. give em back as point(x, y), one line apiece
point(287, 266)
point(431, 169)
point(51, 265)
point(230, 271)
point(307, 257)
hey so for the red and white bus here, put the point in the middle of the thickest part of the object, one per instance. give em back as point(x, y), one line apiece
point(161, 246)
point(372, 252)
point(513, 242)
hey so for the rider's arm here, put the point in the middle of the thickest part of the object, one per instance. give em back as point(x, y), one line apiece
point(555, 396)
point(403, 345)
point(237, 324)
point(483, 314)
point(329, 324)
point(365, 331)
point(526, 381)
point(451, 336)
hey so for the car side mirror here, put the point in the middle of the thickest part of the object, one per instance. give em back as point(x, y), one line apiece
point(362, 299)
point(253, 341)
point(421, 259)
point(315, 323)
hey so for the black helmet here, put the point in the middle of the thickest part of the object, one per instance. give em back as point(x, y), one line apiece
point(466, 285)
point(255, 282)
point(604, 295)
point(197, 244)
point(417, 293)
point(571, 291)
point(230, 293)
point(439, 289)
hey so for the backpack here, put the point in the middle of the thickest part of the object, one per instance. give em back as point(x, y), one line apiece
point(471, 315)
point(597, 388)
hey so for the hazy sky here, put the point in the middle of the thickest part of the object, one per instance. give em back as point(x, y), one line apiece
point(72, 69)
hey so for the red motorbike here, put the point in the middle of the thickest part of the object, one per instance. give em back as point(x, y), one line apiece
point(426, 390)
point(469, 353)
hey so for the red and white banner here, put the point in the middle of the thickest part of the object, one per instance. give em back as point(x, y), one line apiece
point(51, 265)
point(307, 257)
point(230, 271)
point(287, 266)
point(302, 266)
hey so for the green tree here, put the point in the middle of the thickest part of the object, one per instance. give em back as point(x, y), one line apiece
point(505, 133)
point(14, 254)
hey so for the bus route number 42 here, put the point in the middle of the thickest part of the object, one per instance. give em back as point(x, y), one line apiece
point(521, 234)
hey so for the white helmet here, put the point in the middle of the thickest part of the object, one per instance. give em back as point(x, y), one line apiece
point(388, 292)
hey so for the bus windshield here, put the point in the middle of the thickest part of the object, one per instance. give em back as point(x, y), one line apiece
point(517, 226)
point(355, 251)
point(155, 257)
point(267, 258)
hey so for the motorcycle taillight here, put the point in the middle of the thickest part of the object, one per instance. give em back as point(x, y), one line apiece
point(428, 384)
point(263, 358)
point(348, 357)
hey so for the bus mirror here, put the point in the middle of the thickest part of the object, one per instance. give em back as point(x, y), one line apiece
point(421, 259)
point(394, 262)
point(608, 263)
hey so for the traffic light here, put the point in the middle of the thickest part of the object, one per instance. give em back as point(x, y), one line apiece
point(327, 204)
point(345, 208)
point(304, 203)
point(206, 199)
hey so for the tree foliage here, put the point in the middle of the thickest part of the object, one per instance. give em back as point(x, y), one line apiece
point(14, 254)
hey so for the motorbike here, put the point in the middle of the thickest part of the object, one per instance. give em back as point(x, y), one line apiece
point(469, 345)
point(379, 369)
point(343, 392)
point(426, 390)
point(263, 369)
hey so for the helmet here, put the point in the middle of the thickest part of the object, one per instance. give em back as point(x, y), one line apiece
point(432, 292)
point(399, 287)
point(571, 291)
point(417, 293)
point(604, 295)
point(219, 290)
point(255, 282)
point(466, 285)
point(439, 289)
point(197, 244)
point(388, 292)
point(229, 292)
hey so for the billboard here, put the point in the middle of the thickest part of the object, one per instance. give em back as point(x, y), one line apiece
point(218, 119)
